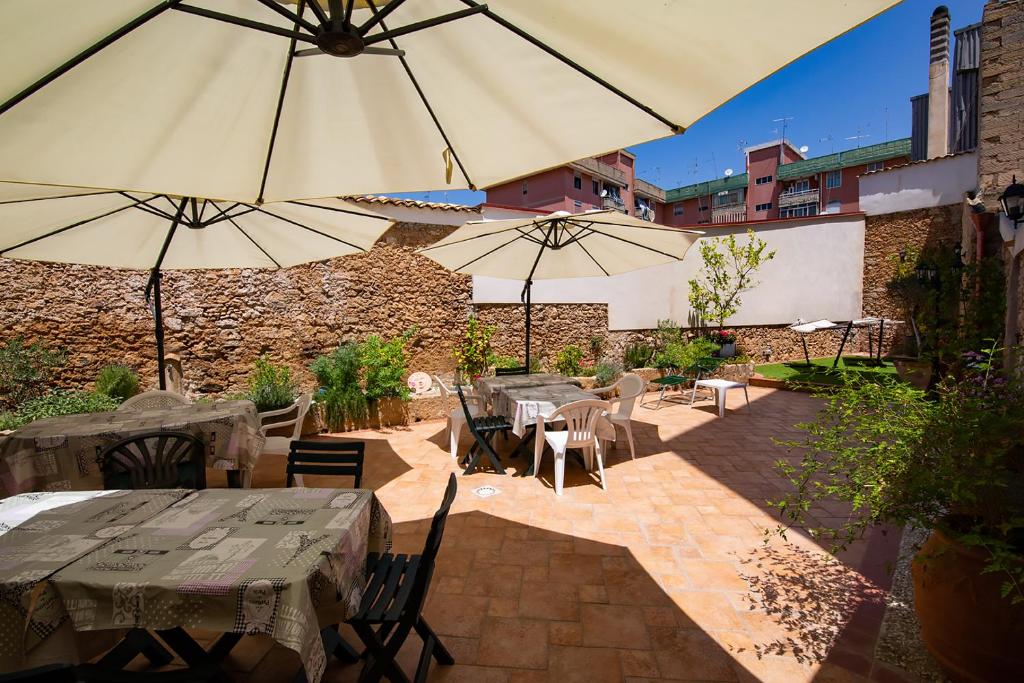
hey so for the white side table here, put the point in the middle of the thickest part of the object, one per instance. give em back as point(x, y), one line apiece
point(720, 387)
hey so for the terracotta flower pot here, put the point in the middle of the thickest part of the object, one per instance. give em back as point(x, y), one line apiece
point(972, 631)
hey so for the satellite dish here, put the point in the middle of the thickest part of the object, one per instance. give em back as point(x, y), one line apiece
point(803, 150)
point(604, 193)
point(728, 172)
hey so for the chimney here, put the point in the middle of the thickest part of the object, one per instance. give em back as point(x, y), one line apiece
point(938, 85)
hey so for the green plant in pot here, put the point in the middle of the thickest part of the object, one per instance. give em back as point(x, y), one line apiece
point(271, 387)
point(385, 366)
point(952, 463)
point(473, 351)
point(340, 398)
point(117, 381)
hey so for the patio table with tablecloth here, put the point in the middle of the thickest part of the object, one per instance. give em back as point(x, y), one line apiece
point(279, 562)
point(59, 453)
point(490, 387)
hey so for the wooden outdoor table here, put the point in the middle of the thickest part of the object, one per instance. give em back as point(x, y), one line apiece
point(59, 453)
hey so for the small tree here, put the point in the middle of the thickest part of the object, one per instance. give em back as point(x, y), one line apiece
point(473, 351)
point(725, 275)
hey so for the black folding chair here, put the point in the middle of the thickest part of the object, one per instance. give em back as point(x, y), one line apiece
point(155, 460)
point(502, 372)
point(341, 458)
point(483, 428)
point(396, 588)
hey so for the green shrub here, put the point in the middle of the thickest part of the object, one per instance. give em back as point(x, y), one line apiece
point(505, 362)
point(568, 361)
point(637, 356)
point(587, 370)
point(117, 381)
point(8, 421)
point(680, 355)
point(606, 373)
point(26, 370)
point(271, 387)
point(385, 365)
point(473, 351)
point(340, 399)
point(61, 402)
point(536, 363)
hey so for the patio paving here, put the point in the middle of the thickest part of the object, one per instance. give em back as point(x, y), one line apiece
point(667, 575)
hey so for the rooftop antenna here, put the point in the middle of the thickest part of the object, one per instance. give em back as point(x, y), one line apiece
point(714, 163)
point(859, 136)
point(831, 140)
point(785, 123)
point(885, 116)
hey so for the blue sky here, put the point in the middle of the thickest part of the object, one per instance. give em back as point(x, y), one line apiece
point(858, 85)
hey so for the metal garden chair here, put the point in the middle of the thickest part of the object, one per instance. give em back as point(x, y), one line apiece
point(154, 460)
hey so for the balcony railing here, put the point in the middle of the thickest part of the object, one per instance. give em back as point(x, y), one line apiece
point(642, 187)
point(729, 214)
point(601, 170)
point(790, 198)
point(613, 203)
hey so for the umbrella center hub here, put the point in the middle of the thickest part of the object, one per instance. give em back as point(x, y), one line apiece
point(340, 42)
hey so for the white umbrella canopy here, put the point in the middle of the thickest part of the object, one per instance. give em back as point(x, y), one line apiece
point(208, 98)
point(562, 245)
point(131, 229)
point(154, 232)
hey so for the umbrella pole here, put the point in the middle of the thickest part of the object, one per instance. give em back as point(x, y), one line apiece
point(154, 283)
point(526, 291)
point(159, 317)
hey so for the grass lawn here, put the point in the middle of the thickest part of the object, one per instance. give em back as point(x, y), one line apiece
point(821, 371)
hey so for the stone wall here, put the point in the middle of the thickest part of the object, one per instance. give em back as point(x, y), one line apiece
point(884, 237)
point(220, 321)
point(1001, 129)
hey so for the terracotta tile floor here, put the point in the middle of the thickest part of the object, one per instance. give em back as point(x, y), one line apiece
point(664, 576)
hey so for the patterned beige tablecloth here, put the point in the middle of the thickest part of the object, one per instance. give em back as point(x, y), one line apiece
point(523, 405)
point(280, 562)
point(32, 551)
point(59, 453)
point(491, 387)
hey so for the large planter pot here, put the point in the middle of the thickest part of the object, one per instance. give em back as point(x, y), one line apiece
point(727, 350)
point(973, 632)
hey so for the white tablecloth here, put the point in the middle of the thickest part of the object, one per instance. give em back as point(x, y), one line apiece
point(525, 404)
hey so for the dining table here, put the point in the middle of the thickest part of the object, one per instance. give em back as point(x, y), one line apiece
point(523, 405)
point(284, 563)
point(489, 388)
point(60, 453)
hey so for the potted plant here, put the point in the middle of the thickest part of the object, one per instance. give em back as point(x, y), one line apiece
point(473, 352)
point(951, 461)
point(726, 341)
point(385, 366)
point(340, 400)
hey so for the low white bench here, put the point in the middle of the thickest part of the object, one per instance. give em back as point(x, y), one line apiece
point(720, 387)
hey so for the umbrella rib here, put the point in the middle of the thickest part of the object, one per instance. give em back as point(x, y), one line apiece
point(674, 127)
point(422, 95)
point(63, 196)
point(223, 214)
point(653, 226)
point(318, 12)
point(245, 23)
point(333, 208)
point(306, 227)
point(485, 254)
point(296, 17)
point(87, 53)
point(170, 235)
point(68, 227)
point(576, 239)
point(517, 228)
point(379, 15)
point(254, 242)
point(280, 102)
point(636, 244)
point(421, 25)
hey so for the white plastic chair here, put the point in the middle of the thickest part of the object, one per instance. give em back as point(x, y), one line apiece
point(581, 420)
point(456, 417)
point(631, 387)
point(297, 412)
point(154, 400)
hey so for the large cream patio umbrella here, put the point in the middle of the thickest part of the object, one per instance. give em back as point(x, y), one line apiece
point(158, 232)
point(562, 245)
point(264, 100)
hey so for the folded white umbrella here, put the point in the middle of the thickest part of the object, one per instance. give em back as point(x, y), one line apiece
point(264, 100)
point(562, 245)
point(155, 232)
